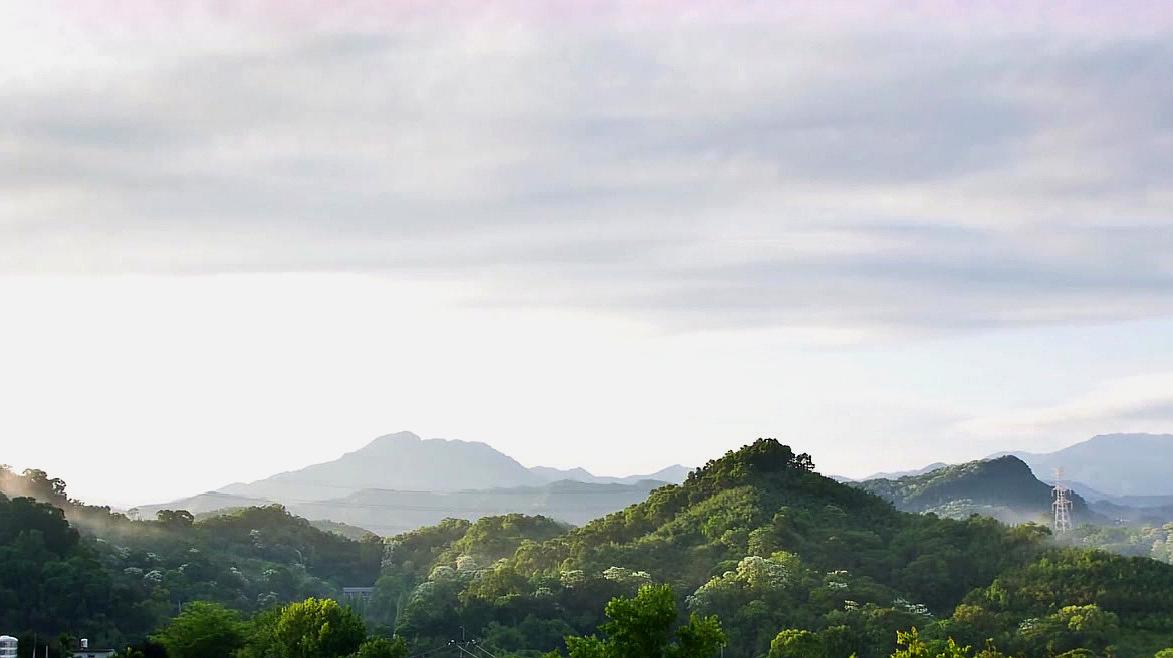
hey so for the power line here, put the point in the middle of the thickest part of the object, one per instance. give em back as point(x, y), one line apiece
point(431, 651)
point(458, 646)
point(479, 647)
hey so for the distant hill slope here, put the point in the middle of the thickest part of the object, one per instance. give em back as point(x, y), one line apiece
point(405, 462)
point(899, 474)
point(200, 504)
point(117, 578)
point(1115, 464)
point(1003, 487)
point(674, 474)
point(401, 461)
point(388, 512)
point(761, 540)
point(399, 482)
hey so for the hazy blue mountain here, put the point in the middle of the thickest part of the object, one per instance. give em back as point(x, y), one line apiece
point(1003, 487)
point(899, 474)
point(205, 503)
point(389, 512)
point(1142, 502)
point(399, 482)
point(674, 474)
point(1089, 493)
point(1150, 515)
point(1111, 464)
point(405, 462)
point(551, 474)
point(401, 461)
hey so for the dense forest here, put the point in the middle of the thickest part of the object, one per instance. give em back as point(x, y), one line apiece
point(770, 547)
point(72, 569)
point(755, 554)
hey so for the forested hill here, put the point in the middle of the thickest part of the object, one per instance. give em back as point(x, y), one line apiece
point(1004, 488)
point(117, 579)
point(766, 544)
point(792, 563)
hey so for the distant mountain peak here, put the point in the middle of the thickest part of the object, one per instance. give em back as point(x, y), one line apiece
point(893, 475)
point(1119, 464)
point(411, 438)
point(389, 440)
point(674, 474)
point(403, 461)
point(1130, 436)
point(398, 436)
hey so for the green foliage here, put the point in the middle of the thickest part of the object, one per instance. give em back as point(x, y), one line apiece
point(1004, 488)
point(380, 647)
point(765, 544)
point(1140, 591)
point(641, 627)
point(494, 537)
point(1155, 541)
point(791, 562)
point(202, 630)
point(51, 579)
point(317, 628)
point(912, 646)
point(795, 643)
point(175, 519)
point(84, 568)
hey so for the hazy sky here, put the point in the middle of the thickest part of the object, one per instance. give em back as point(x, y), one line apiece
point(234, 241)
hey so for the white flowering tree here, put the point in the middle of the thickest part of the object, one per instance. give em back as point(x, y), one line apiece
point(760, 596)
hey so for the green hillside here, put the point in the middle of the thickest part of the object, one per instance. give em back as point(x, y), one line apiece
point(68, 567)
point(791, 563)
point(765, 543)
point(1004, 488)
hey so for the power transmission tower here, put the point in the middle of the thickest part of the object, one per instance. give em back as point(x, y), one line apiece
point(1061, 505)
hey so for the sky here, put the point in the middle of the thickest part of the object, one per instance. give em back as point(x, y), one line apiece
point(239, 238)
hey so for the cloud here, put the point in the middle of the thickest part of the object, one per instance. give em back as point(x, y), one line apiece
point(1139, 403)
point(861, 172)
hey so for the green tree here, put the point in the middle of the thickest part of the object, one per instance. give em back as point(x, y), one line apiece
point(175, 519)
point(1073, 627)
point(795, 643)
point(262, 638)
point(318, 628)
point(202, 630)
point(641, 627)
point(380, 647)
point(914, 647)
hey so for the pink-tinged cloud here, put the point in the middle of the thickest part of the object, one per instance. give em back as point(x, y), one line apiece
point(1087, 17)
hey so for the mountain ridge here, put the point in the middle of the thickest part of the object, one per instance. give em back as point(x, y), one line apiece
point(403, 461)
point(1004, 488)
point(1120, 464)
point(401, 481)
